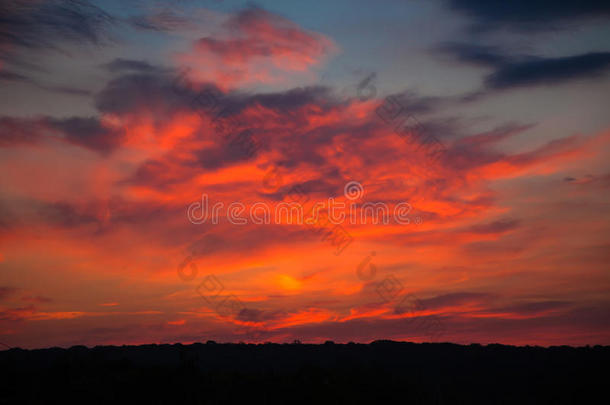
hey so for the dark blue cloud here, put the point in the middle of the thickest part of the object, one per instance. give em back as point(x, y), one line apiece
point(549, 71)
point(142, 91)
point(27, 25)
point(131, 65)
point(529, 15)
point(522, 70)
point(88, 133)
point(473, 54)
point(8, 76)
point(39, 24)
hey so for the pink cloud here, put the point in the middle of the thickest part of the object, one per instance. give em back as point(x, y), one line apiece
point(258, 47)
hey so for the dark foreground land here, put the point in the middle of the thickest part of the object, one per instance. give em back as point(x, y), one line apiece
point(376, 373)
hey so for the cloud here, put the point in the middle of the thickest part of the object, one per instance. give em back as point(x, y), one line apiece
point(258, 46)
point(306, 130)
point(289, 100)
point(163, 21)
point(6, 292)
point(66, 90)
point(537, 308)
point(447, 301)
point(236, 120)
point(499, 226)
point(473, 54)
point(225, 154)
point(8, 76)
point(511, 71)
point(27, 24)
point(529, 15)
point(65, 215)
point(31, 313)
point(37, 299)
point(119, 65)
point(259, 316)
point(94, 216)
point(602, 181)
point(33, 26)
point(477, 150)
point(547, 71)
point(121, 211)
point(19, 131)
point(136, 93)
point(89, 133)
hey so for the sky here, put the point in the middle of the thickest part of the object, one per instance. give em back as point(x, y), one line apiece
point(482, 127)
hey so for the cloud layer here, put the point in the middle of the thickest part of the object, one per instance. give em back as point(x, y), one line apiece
point(506, 238)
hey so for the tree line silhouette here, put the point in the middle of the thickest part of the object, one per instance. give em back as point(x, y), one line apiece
point(377, 373)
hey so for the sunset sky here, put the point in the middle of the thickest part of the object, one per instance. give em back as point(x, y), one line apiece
point(107, 137)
